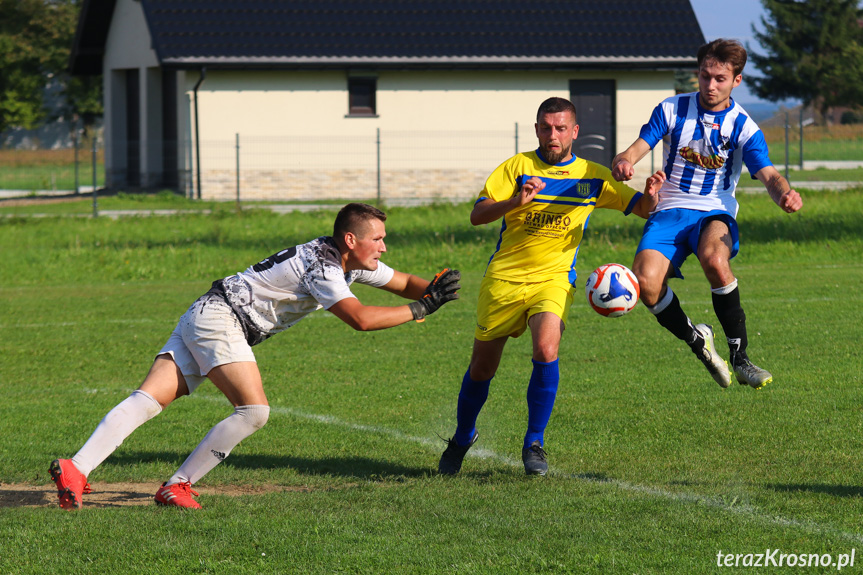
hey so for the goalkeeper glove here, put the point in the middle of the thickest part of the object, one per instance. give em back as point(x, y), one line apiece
point(443, 288)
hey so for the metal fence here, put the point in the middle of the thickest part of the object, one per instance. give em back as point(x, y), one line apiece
point(387, 166)
point(78, 169)
point(394, 166)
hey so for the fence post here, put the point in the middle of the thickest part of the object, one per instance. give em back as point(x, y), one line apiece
point(238, 169)
point(787, 157)
point(516, 138)
point(801, 137)
point(75, 143)
point(95, 201)
point(378, 144)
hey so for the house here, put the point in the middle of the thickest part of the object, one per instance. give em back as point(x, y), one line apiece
point(345, 99)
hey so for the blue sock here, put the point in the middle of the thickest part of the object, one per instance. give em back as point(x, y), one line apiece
point(471, 398)
point(541, 392)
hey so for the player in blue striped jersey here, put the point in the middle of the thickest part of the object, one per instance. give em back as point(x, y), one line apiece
point(707, 138)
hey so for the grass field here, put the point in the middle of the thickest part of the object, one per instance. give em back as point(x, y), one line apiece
point(49, 169)
point(800, 178)
point(654, 469)
point(836, 143)
point(165, 200)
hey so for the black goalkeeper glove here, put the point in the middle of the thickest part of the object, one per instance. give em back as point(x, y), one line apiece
point(443, 288)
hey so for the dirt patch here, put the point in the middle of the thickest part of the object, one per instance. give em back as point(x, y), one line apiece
point(16, 202)
point(120, 494)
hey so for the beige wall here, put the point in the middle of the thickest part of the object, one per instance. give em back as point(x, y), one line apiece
point(294, 128)
point(316, 103)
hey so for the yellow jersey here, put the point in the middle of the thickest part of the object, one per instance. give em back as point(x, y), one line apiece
point(539, 241)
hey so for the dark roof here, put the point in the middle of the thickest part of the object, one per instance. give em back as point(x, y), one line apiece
point(406, 33)
point(90, 36)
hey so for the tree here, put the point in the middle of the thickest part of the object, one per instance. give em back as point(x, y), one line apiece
point(36, 39)
point(814, 52)
point(685, 81)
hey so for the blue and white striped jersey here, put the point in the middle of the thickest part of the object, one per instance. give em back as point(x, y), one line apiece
point(703, 152)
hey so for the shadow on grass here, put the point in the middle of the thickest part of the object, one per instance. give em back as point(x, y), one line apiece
point(354, 467)
point(834, 490)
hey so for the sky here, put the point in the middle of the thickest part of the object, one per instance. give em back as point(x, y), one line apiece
point(732, 19)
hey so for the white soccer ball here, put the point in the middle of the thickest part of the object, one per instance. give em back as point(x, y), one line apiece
point(612, 290)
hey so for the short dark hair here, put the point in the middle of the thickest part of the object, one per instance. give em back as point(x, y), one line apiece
point(353, 217)
point(724, 51)
point(555, 106)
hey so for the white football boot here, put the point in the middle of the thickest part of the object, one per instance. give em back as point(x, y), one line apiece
point(750, 374)
point(711, 360)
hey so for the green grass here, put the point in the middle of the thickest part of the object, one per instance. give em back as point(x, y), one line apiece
point(58, 177)
point(49, 169)
point(826, 175)
point(831, 143)
point(824, 150)
point(147, 202)
point(799, 178)
point(654, 468)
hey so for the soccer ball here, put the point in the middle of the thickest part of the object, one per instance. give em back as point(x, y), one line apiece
point(612, 290)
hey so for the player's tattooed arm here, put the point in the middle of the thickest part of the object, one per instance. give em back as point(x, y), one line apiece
point(779, 189)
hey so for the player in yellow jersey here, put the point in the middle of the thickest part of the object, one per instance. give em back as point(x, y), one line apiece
point(545, 198)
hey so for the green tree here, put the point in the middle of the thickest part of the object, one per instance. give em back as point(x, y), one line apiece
point(36, 39)
point(814, 52)
point(685, 81)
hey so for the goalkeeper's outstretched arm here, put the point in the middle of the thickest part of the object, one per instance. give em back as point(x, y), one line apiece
point(430, 296)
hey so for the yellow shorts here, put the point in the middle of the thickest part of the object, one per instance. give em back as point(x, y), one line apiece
point(505, 307)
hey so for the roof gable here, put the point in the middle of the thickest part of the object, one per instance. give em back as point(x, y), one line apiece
point(381, 33)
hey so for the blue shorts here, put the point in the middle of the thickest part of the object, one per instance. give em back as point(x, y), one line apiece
point(675, 233)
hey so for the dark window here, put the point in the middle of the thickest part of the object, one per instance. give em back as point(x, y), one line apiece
point(361, 96)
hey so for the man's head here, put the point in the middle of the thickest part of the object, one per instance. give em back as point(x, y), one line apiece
point(720, 69)
point(359, 231)
point(556, 128)
point(729, 52)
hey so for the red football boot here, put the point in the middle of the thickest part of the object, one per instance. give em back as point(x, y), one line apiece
point(178, 495)
point(71, 483)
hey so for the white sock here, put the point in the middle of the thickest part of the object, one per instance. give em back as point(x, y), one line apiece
point(725, 290)
point(219, 442)
point(663, 303)
point(115, 427)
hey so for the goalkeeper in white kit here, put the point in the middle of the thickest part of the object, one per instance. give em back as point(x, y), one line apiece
point(214, 338)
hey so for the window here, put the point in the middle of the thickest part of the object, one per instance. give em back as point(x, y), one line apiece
point(361, 96)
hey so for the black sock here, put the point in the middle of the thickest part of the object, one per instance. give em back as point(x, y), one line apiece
point(733, 320)
point(675, 320)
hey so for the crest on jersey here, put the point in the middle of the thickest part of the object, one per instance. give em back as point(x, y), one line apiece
point(702, 153)
point(582, 189)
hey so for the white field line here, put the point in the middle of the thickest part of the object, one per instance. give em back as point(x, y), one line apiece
point(321, 314)
point(74, 323)
point(734, 506)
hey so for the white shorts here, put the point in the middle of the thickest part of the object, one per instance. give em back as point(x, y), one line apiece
point(208, 335)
